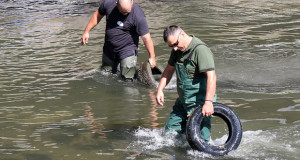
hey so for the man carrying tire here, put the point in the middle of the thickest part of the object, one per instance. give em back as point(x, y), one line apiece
point(196, 79)
point(125, 22)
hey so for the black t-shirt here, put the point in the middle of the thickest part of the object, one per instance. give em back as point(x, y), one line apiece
point(122, 32)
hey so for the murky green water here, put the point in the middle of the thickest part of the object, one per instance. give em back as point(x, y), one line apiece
point(55, 104)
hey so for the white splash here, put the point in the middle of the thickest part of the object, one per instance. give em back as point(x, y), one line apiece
point(276, 143)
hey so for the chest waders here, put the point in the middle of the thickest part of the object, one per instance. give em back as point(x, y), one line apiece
point(192, 92)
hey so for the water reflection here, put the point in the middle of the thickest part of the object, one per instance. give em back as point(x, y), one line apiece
point(153, 111)
point(96, 127)
point(290, 108)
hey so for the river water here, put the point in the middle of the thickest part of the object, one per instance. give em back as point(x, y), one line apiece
point(56, 104)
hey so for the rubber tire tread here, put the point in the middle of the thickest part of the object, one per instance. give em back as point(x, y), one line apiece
point(146, 74)
point(233, 123)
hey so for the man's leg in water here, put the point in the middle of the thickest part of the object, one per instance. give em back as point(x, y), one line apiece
point(109, 65)
point(178, 118)
point(128, 67)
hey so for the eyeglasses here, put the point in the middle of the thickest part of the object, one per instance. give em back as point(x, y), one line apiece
point(176, 43)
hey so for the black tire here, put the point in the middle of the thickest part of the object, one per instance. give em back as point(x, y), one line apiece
point(233, 123)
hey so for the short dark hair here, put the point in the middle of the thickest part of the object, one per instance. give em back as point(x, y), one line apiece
point(171, 30)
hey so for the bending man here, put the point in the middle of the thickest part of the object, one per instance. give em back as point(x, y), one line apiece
point(196, 79)
point(125, 22)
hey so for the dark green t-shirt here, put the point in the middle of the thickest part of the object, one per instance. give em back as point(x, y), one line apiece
point(201, 61)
